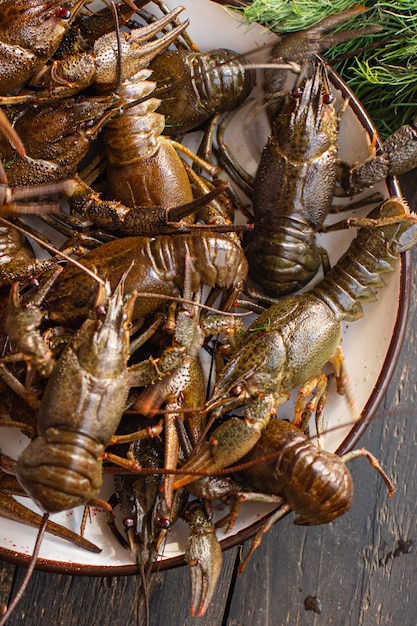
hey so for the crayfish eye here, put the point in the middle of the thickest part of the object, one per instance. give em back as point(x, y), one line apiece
point(328, 98)
point(87, 125)
point(128, 522)
point(237, 390)
point(162, 522)
point(101, 310)
point(297, 92)
point(63, 12)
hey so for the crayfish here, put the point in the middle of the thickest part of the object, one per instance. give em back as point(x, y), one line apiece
point(300, 171)
point(77, 361)
point(289, 344)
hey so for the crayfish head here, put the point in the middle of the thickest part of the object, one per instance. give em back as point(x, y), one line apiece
point(227, 398)
point(62, 132)
point(39, 25)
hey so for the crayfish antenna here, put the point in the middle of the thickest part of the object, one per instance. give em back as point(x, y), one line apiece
point(29, 571)
point(142, 608)
point(8, 131)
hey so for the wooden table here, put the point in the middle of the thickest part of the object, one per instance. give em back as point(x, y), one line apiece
point(362, 568)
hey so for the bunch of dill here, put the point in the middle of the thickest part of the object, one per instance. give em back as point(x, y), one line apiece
point(380, 68)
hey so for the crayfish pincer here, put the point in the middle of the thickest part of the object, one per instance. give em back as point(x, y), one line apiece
point(292, 341)
point(80, 409)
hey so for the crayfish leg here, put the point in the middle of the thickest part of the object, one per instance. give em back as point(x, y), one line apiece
point(275, 517)
point(317, 387)
point(8, 131)
point(342, 382)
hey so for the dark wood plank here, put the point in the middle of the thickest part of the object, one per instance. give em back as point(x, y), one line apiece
point(83, 601)
point(7, 573)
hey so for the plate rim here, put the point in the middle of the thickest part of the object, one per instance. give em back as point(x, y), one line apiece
point(394, 348)
point(367, 415)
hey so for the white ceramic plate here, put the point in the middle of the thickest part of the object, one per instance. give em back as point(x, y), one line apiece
point(371, 345)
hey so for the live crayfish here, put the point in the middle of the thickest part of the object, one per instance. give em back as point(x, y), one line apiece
point(315, 484)
point(68, 142)
point(160, 262)
point(383, 235)
point(184, 388)
point(260, 325)
point(226, 280)
point(138, 155)
point(61, 468)
point(111, 334)
point(147, 522)
point(102, 387)
point(301, 158)
point(31, 34)
point(277, 354)
point(389, 230)
point(69, 118)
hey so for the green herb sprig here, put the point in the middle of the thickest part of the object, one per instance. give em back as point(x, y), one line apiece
point(380, 68)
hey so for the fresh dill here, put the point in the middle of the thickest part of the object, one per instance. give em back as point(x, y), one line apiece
point(380, 68)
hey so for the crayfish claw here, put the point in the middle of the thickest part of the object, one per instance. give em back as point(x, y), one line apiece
point(228, 443)
point(203, 555)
